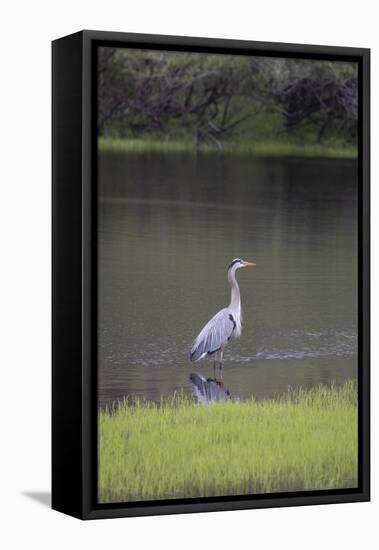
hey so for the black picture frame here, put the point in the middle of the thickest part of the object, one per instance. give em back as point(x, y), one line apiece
point(74, 294)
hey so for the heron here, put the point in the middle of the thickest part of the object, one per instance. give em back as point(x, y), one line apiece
point(214, 336)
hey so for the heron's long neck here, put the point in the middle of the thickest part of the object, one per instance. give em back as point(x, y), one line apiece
point(235, 298)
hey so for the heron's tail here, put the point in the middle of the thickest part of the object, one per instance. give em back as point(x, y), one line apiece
point(199, 350)
point(196, 353)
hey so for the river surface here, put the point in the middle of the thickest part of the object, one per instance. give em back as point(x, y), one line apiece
point(168, 227)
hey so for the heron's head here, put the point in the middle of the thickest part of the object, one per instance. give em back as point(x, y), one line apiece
point(237, 263)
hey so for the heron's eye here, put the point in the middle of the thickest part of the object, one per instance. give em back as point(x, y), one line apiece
point(237, 261)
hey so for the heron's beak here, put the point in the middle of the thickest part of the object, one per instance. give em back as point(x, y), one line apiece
point(249, 264)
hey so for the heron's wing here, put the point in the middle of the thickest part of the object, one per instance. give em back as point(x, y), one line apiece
point(215, 334)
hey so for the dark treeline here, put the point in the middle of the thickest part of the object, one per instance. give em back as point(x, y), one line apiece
point(219, 98)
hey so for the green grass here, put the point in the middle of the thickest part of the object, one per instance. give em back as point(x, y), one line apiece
point(302, 441)
point(259, 148)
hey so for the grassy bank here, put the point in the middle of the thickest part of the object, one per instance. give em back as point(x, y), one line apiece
point(259, 148)
point(304, 440)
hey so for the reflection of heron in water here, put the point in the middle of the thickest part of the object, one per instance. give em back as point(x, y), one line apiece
point(226, 323)
point(208, 390)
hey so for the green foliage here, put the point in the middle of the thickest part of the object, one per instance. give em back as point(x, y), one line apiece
point(304, 440)
point(262, 148)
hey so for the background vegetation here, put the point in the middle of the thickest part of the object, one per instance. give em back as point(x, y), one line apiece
point(177, 448)
point(225, 101)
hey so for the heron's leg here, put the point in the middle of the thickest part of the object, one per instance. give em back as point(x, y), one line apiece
point(221, 360)
point(216, 363)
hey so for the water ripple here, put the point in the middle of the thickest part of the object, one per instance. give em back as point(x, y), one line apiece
point(295, 345)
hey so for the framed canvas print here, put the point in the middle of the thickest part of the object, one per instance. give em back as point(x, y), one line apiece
point(210, 275)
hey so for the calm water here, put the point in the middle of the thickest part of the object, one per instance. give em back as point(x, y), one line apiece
point(168, 227)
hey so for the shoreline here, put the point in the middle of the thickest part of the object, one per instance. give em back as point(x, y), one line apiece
point(255, 149)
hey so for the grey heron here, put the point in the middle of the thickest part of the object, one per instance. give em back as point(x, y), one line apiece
point(214, 336)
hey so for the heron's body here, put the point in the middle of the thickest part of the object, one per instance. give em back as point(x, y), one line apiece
point(226, 323)
point(215, 334)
